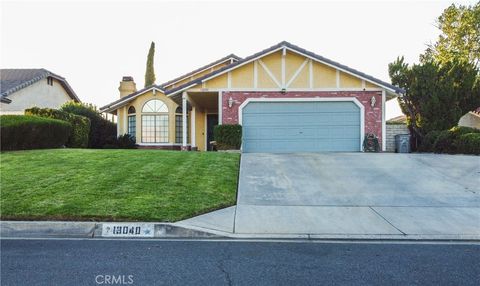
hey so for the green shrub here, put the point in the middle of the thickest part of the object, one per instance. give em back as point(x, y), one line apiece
point(80, 124)
point(21, 132)
point(126, 141)
point(469, 143)
point(448, 140)
point(228, 136)
point(428, 141)
point(460, 130)
point(444, 142)
point(102, 131)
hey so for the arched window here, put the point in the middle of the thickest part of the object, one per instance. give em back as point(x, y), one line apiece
point(155, 122)
point(154, 106)
point(132, 122)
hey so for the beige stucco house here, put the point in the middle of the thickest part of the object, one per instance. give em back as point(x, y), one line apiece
point(25, 88)
point(286, 98)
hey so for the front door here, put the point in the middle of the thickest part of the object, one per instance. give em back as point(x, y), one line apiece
point(212, 121)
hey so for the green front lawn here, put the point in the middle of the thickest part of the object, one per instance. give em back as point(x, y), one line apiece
point(144, 185)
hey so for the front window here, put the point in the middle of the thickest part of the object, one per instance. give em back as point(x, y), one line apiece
point(155, 122)
point(179, 126)
point(132, 121)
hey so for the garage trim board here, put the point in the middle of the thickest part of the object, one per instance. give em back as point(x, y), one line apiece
point(323, 99)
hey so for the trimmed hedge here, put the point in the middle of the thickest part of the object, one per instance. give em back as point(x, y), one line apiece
point(228, 136)
point(80, 124)
point(103, 133)
point(21, 132)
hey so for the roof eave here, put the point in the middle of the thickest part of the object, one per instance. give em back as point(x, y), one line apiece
point(126, 99)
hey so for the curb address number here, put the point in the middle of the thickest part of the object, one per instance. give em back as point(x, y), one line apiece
point(127, 230)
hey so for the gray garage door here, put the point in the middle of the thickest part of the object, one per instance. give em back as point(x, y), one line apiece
point(281, 127)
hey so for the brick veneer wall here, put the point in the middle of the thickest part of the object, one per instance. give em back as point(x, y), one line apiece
point(373, 116)
point(392, 130)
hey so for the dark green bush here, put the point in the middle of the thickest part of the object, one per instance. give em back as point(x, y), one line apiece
point(80, 124)
point(460, 130)
point(228, 136)
point(102, 131)
point(444, 142)
point(448, 140)
point(428, 141)
point(125, 141)
point(469, 143)
point(21, 132)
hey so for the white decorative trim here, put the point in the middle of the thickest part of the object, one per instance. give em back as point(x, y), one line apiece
point(160, 144)
point(208, 67)
point(220, 107)
point(192, 128)
point(310, 71)
point(255, 74)
point(337, 77)
point(205, 131)
point(244, 63)
point(363, 83)
point(125, 128)
point(343, 70)
point(270, 74)
point(297, 72)
point(284, 55)
point(295, 51)
point(310, 99)
point(184, 119)
point(118, 125)
point(204, 84)
point(384, 123)
point(290, 89)
point(120, 103)
point(229, 80)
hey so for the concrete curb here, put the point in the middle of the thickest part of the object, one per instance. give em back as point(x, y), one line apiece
point(70, 229)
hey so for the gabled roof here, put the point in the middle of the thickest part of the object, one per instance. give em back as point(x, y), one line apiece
point(130, 97)
point(398, 119)
point(241, 62)
point(231, 57)
point(12, 80)
point(294, 48)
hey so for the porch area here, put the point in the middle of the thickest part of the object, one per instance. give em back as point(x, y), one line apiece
point(200, 114)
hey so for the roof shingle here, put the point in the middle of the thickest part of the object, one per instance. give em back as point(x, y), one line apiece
point(12, 80)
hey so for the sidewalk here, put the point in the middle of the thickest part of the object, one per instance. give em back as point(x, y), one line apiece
point(222, 224)
point(326, 222)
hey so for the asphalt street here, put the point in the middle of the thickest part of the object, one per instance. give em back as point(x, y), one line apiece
point(156, 262)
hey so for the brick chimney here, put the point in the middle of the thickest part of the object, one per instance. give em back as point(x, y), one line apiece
point(127, 86)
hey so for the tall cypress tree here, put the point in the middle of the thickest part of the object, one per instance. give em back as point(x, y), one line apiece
point(150, 73)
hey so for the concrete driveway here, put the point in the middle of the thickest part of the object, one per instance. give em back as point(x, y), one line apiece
point(354, 194)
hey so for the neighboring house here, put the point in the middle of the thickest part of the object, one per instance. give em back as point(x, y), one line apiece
point(401, 119)
point(26, 88)
point(286, 98)
point(471, 119)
